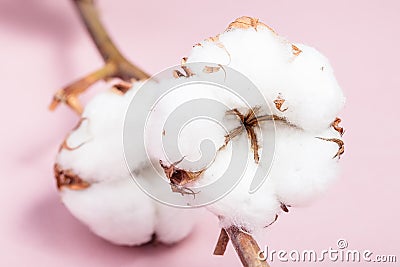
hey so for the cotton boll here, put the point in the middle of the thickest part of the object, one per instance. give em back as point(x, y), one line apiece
point(116, 210)
point(304, 166)
point(174, 224)
point(113, 206)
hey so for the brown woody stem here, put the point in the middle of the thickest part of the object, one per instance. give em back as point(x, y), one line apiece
point(116, 65)
point(106, 47)
point(223, 241)
point(246, 247)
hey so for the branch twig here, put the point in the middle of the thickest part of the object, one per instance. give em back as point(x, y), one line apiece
point(246, 247)
point(116, 65)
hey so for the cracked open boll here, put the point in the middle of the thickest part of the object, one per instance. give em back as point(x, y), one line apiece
point(304, 100)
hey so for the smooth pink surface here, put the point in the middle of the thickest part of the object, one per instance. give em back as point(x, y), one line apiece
point(44, 46)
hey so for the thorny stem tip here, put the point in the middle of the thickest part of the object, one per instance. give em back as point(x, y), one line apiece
point(116, 65)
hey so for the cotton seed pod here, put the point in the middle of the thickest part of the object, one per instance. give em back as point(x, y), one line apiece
point(298, 83)
point(96, 186)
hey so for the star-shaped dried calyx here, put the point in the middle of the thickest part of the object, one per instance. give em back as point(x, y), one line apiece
point(68, 179)
point(179, 177)
point(250, 121)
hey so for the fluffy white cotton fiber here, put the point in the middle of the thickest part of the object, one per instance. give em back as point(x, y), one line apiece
point(113, 206)
point(299, 86)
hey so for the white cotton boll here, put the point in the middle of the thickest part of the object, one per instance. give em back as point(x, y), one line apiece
point(113, 206)
point(116, 210)
point(304, 166)
point(174, 224)
point(97, 145)
point(303, 79)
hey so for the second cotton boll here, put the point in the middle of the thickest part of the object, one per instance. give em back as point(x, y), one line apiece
point(95, 185)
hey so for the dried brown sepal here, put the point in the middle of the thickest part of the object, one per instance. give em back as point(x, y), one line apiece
point(214, 39)
point(68, 179)
point(180, 177)
point(335, 125)
point(211, 69)
point(284, 207)
point(186, 69)
point(65, 145)
point(250, 122)
point(276, 218)
point(295, 50)
point(246, 247)
point(246, 23)
point(183, 61)
point(183, 190)
point(279, 102)
point(177, 74)
point(339, 142)
point(222, 243)
point(254, 143)
point(122, 87)
point(232, 134)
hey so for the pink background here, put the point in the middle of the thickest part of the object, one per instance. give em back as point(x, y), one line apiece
point(44, 46)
